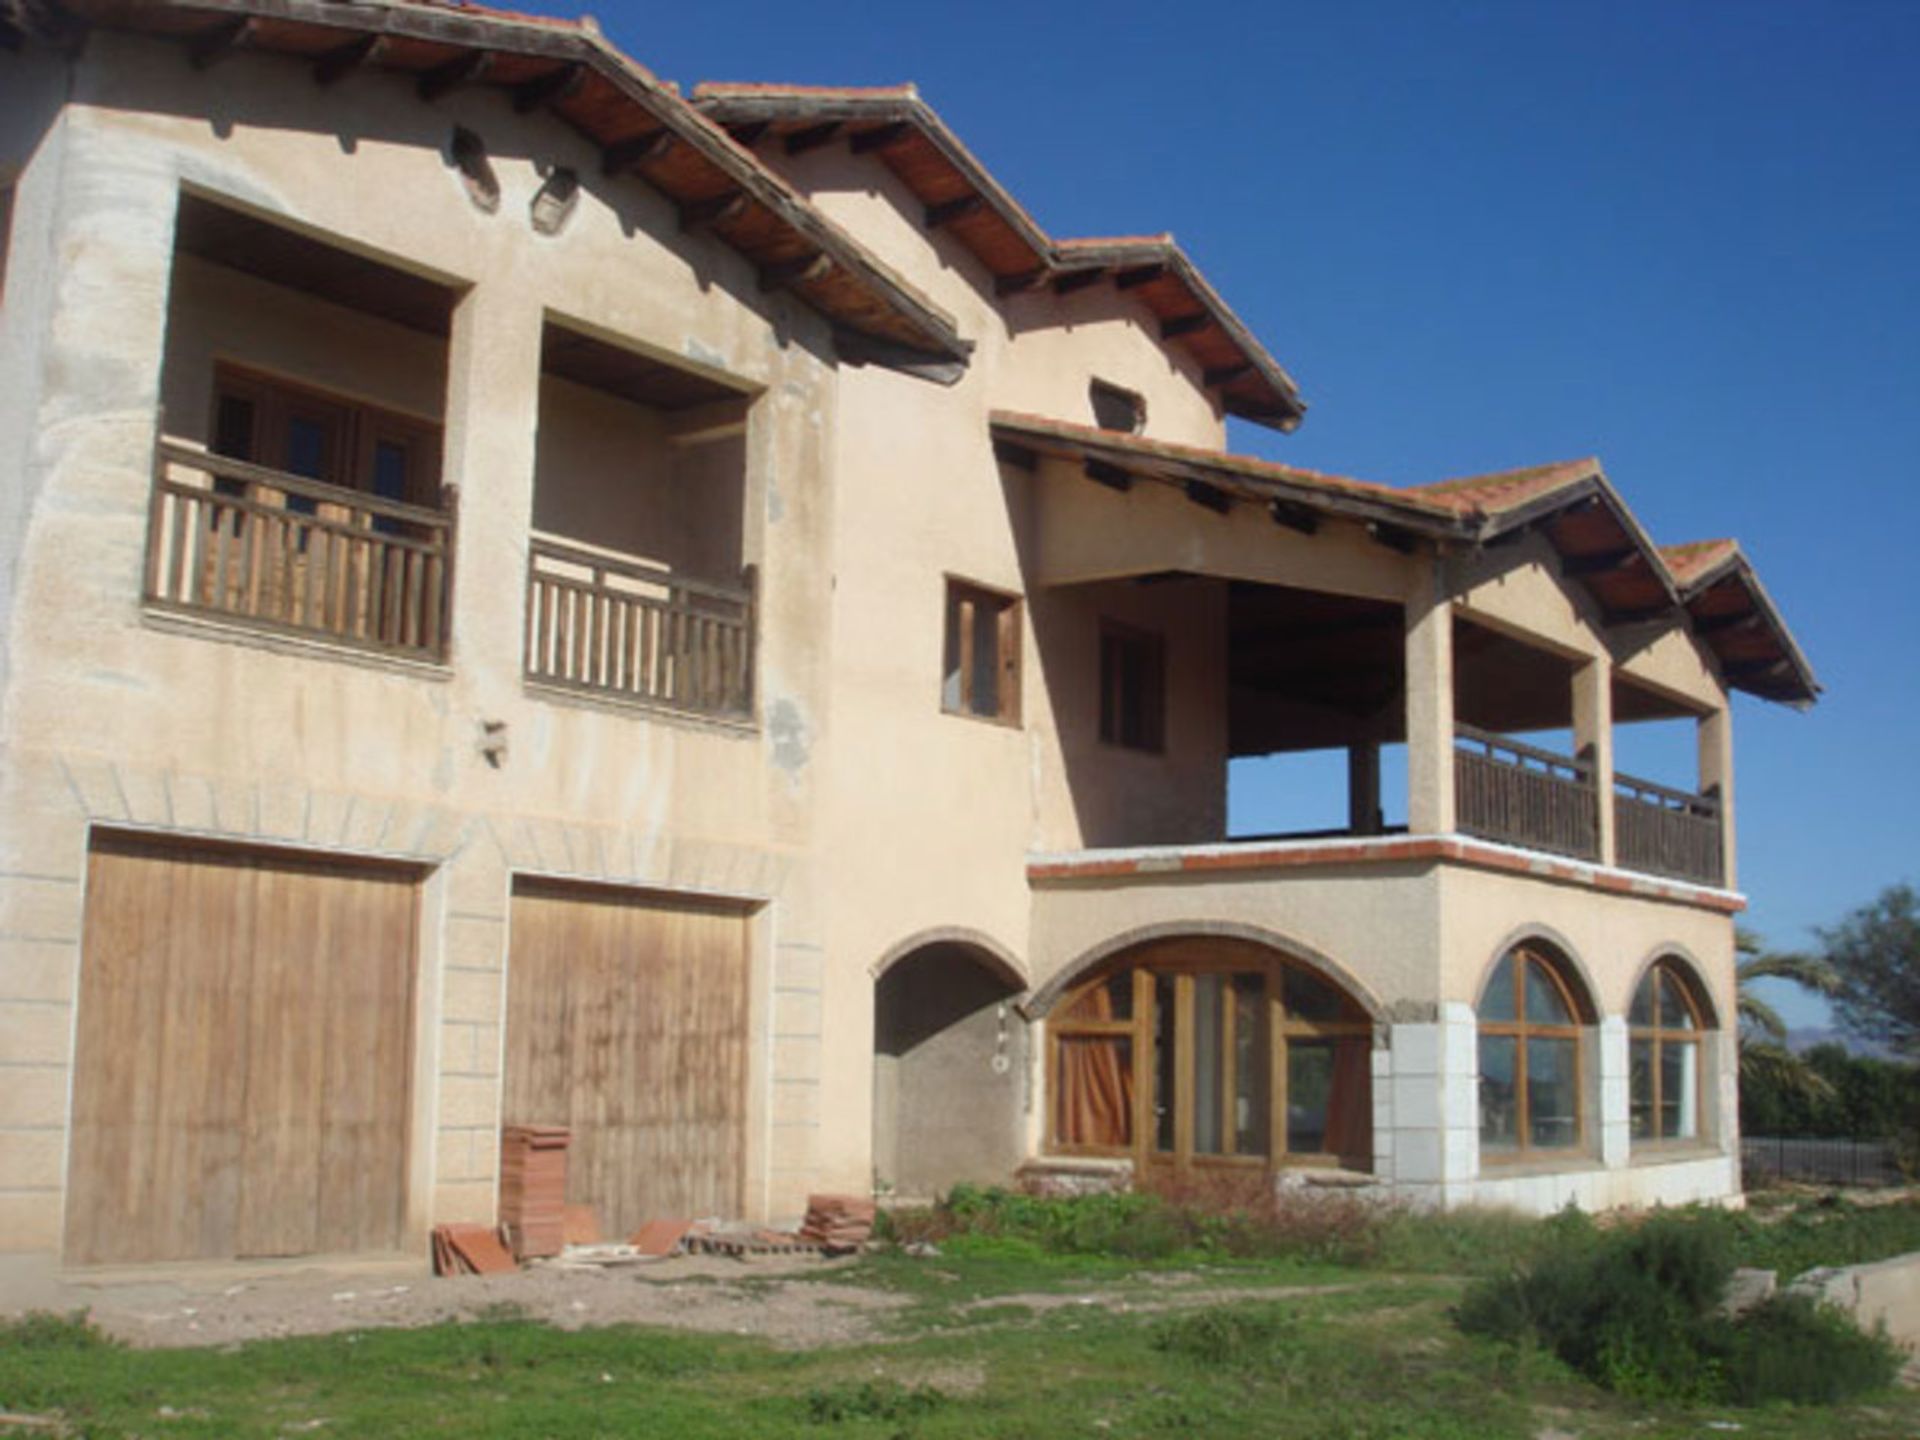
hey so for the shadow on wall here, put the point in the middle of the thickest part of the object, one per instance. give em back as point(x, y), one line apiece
point(949, 1072)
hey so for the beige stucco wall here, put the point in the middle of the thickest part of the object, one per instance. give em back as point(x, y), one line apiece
point(113, 719)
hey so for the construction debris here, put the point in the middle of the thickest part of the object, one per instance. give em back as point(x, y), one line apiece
point(838, 1222)
point(470, 1250)
point(580, 1225)
point(660, 1237)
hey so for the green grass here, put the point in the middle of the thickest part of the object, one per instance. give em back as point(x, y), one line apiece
point(1177, 1343)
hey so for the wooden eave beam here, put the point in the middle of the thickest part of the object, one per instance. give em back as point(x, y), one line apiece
point(1103, 472)
point(562, 82)
point(12, 37)
point(948, 211)
point(468, 69)
point(624, 155)
point(802, 270)
point(1597, 563)
point(1756, 669)
point(1209, 497)
point(881, 137)
point(229, 37)
point(1642, 615)
point(749, 133)
point(1014, 284)
point(1074, 280)
point(1020, 457)
point(343, 60)
point(1178, 325)
point(1226, 374)
point(1292, 515)
point(719, 209)
point(1139, 275)
point(1394, 537)
point(799, 142)
point(1730, 624)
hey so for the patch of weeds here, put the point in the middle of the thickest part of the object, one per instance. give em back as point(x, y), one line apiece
point(45, 1330)
point(500, 1312)
point(886, 1400)
point(1792, 1349)
point(1236, 1338)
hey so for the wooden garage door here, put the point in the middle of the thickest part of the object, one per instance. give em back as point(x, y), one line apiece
point(627, 1021)
point(241, 1077)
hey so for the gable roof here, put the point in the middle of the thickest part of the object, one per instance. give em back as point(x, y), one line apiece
point(959, 195)
point(640, 125)
point(1709, 586)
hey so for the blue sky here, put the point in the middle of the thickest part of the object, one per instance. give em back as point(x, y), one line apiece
point(1684, 237)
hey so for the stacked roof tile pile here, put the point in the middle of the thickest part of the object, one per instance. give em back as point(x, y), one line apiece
point(838, 1222)
point(533, 1187)
point(469, 1250)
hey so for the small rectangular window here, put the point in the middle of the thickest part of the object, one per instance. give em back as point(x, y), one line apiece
point(981, 666)
point(1132, 688)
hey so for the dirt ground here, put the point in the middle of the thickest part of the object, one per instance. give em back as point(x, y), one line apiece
point(789, 1301)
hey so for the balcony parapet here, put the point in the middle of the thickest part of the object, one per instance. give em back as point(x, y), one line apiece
point(619, 628)
point(243, 543)
point(1161, 862)
point(1509, 791)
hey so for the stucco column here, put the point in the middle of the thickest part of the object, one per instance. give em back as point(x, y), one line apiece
point(1716, 778)
point(1363, 788)
point(1615, 1092)
point(493, 412)
point(1429, 649)
point(1593, 741)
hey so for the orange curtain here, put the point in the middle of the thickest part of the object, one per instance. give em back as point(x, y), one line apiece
point(1350, 1104)
point(1096, 1082)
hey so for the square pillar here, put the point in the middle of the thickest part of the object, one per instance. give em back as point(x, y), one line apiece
point(1363, 788)
point(1429, 651)
point(493, 414)
point(1593, 742)
point(1716, 779)
point(1615, 1090)
point(1427, 1105)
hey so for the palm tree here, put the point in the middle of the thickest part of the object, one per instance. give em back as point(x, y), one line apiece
point(1764, 1056)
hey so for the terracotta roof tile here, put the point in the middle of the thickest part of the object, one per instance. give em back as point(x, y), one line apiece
point(1689, 561)
point(1503, 489)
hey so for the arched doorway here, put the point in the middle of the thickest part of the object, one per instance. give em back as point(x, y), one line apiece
point(949, 1068)
point(1210, 1059)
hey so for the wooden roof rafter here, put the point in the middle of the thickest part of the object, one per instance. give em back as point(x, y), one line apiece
point(901, 130)
point(569, 71)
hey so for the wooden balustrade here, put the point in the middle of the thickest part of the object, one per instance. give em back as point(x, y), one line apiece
point(619, 627)
point(1667, 832)
point(241, 542)
point(1521, 795)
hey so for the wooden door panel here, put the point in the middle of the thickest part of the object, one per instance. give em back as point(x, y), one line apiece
point(627, 1022)
point(244, 1053)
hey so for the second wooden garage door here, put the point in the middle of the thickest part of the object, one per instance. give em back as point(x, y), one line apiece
point(627, 1021)
point(243, 1056)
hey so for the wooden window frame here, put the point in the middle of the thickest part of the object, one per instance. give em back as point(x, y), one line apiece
point(961, 596)
point(1521, 1030)
point(1660, 1036)
point(358, 428)
point(1282, 1028)
point(1153, 702)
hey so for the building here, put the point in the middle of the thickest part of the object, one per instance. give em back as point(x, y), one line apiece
point(532, 597)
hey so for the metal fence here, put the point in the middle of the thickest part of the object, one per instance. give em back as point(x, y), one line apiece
point(1825, 1162)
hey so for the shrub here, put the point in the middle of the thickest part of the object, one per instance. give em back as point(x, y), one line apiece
point(44, 1330)
point(869, 1400)
point(1636, 1310)
point(1237, 1338)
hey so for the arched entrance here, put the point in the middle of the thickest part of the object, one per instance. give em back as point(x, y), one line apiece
point(1210, 1060)
point(949, 1068)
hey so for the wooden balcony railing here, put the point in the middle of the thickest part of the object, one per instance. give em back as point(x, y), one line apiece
point(623, 628)
point(1511, 792)
point(241, 542)
point(1667, 832)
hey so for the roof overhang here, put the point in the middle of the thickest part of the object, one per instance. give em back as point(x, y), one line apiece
point(1709, 588)
point(958, 195)
point(639, 124)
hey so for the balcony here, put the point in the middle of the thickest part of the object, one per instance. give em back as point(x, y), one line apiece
point(235, 541)
point(1522, 795)
point(1667, 832)
point(617, 627)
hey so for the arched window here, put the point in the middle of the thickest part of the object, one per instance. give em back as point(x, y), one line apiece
point(1210, 1054)
point(1531, 1056)
point(1664, 1025)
